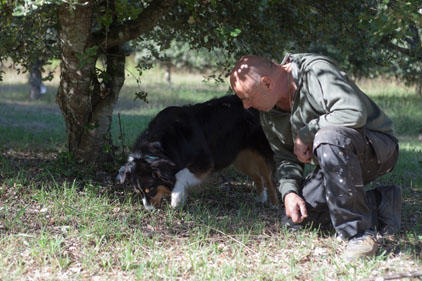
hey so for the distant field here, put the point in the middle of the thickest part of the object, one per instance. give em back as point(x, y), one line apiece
point(35, 116)
point(63, 221)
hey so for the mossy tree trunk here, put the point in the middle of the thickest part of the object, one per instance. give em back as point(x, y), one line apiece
point(87, 96)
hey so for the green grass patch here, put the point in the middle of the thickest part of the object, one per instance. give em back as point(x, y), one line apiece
point(60, 220)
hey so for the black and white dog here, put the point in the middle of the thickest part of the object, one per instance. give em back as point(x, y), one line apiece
point(182, 145)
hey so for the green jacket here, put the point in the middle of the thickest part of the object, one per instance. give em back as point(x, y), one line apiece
point(324, 97)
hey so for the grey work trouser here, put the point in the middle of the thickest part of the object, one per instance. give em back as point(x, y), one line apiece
point(347, 160)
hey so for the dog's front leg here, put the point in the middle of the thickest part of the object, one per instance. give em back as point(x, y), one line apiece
point(184, 180)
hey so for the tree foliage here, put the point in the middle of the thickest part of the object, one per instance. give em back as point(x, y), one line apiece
point(397, 30)
point(28, 33)
point(180, 56)
point(366, 37)
point(362, 36)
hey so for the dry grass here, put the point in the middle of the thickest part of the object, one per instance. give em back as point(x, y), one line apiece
point(63, 221)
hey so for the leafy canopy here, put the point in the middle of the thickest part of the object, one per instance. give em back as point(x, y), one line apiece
point(367, 38)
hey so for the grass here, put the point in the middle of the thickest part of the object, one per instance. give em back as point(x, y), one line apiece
point(61, 221)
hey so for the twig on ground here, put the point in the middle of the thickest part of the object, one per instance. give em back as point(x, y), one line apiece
point(412, 274)
point(234, 239)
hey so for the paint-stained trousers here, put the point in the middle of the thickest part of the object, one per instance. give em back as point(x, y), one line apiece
point(347, 159)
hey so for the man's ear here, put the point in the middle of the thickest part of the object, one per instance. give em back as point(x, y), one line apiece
point(266, 82)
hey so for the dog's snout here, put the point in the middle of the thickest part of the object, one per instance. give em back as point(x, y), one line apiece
point(121, 175)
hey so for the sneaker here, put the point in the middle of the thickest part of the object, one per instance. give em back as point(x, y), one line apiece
point(361, 245)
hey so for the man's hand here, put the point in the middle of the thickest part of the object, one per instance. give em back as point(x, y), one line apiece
point(295, 207)
point(302, 151)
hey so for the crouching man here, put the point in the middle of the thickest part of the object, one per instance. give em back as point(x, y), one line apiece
point(312, 113)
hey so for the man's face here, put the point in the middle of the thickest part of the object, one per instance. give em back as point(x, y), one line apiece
point(256, 96)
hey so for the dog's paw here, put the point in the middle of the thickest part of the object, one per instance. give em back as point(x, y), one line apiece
point(177, 199)
point(262, 197)
point(147, 206)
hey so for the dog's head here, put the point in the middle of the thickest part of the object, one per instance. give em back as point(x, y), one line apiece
point(151, 175)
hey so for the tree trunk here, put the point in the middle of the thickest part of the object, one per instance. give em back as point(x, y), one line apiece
point(87, 105)
point(35, 80)
point(74, 93)
point(98, 138)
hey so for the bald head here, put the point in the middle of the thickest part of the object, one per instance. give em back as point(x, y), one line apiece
point(262, 84)
point(250, 69)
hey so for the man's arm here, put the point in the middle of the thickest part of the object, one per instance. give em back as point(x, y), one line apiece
point(289, 171)
point(336, 96)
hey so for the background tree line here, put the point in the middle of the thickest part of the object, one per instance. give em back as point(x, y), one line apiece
point(367, 38)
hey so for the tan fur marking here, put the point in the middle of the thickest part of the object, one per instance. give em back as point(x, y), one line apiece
point(254, 165)
point(161, 192)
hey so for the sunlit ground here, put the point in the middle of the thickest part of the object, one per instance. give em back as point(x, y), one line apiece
point(63, 221)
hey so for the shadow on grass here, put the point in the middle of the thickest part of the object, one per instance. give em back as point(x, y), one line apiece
point(230, 210)
point(404, 111)
point(410, 125)
point(225, 207)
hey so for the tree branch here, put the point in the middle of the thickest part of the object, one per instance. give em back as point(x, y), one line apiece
point(130, 30)
point(414, 41)
point(393, 46)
